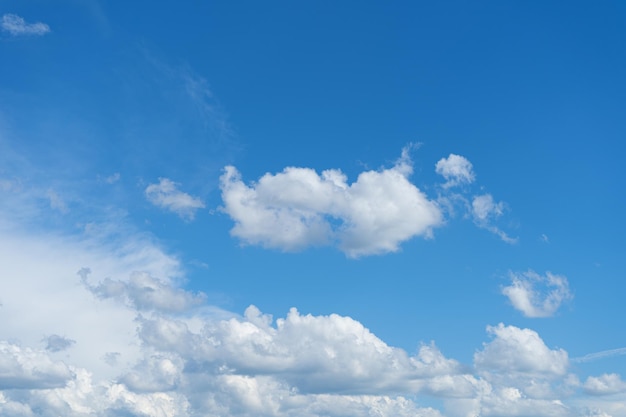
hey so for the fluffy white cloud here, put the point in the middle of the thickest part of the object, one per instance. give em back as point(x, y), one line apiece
point(605, 384)
point(166, 195)
point(23, 367)
point(298, 208)
point(16, 26)
point(312, 353)
point(143, 292)
point(535, 295)
point(520, 351)
point(456, 170)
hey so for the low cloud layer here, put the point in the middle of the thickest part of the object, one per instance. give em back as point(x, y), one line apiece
point(123, 338)
point(536, 295)
point(298, 208)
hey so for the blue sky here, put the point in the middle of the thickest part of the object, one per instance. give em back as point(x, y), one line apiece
point(312, 209)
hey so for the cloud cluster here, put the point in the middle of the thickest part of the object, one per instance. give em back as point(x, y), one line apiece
point(166, 195)
point(535, 295)
point(17, 26)
point(298, 207)
point(126, 339)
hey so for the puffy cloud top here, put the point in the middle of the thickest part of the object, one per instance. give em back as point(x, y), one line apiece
point(516, 350)
point(456, 170)
point(298, 208)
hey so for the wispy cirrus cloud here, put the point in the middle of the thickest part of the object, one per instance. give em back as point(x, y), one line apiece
point(536, 295)
point(17, 26)
point(165, 194)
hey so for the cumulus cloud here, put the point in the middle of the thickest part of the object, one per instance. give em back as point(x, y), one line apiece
point(17, 26)
point(521, 351)
point(27, 368)
point(604, 384)
point(535, 295)
point(298, 207)
point(166, 195)
point(456, 170)
point(312, 353)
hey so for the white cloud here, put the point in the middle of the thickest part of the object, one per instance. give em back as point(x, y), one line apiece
point(520, 351)
point(314, 354)
point(133, 342)
point(600, 355)
point(535, 295)
point(485, 210)
point(17, 26)
point(166, 195)
point(456, 170)
point(298, 208)
point(605, 384)
point(26, 368)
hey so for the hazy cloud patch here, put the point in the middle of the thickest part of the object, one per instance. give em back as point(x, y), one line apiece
point(536, 295)
point(17, 26)
point(166, 195)
point(56, 343)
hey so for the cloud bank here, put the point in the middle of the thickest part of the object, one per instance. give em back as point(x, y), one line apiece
point(124, 338)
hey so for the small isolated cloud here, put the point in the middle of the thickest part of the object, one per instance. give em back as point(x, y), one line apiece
point(298, 208)
point(17, 26)
point(456, 170)
point(485, 210)
point(605, 384)
point(535, 295)
point(514, 350)
point(56, 202)
point(113, 178)
point(56, 343)
point(166, 195)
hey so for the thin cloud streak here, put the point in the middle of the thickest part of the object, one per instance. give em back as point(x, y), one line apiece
point(600, 355)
